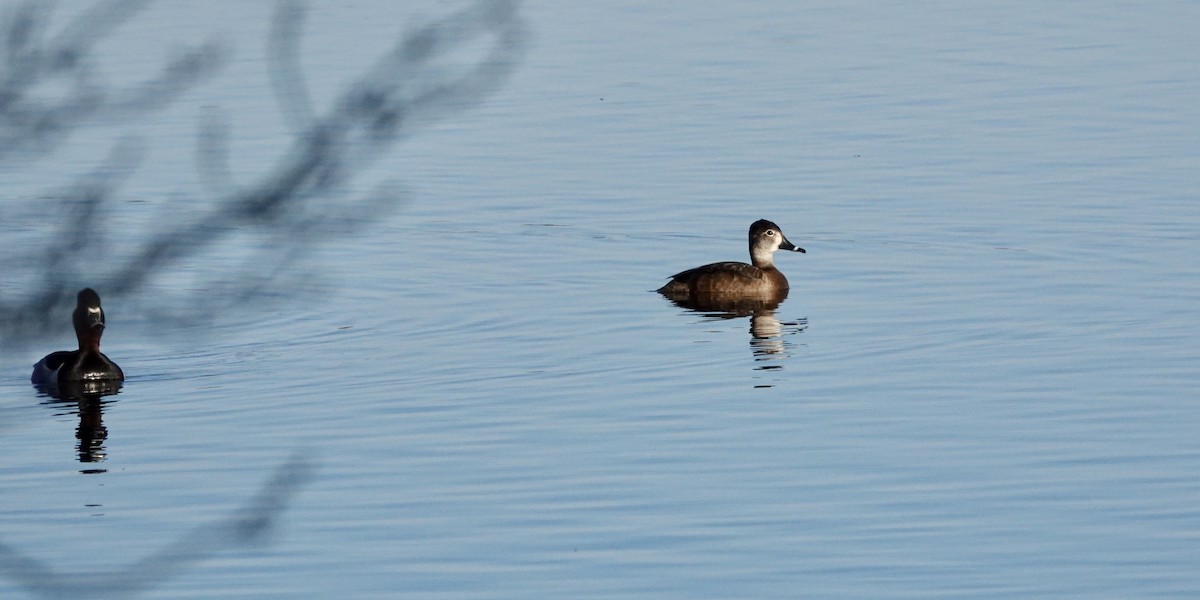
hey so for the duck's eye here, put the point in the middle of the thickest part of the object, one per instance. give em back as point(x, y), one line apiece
point(770, 232)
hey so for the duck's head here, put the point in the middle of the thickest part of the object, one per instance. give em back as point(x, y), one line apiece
point(765, 238)
point(88, 319)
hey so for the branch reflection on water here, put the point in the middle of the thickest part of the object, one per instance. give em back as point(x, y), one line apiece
point(51, 87)
point(249, 525)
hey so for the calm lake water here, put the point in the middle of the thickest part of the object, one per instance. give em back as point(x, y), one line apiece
point(984, 383)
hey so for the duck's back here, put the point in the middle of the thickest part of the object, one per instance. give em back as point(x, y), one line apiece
point(726, 278)
point(74, 365)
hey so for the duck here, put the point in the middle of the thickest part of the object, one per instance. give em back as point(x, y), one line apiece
point(87, 363)
point(759, 279)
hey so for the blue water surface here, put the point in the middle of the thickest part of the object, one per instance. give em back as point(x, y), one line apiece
point(983, 383)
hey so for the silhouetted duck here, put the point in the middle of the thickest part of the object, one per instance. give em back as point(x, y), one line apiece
point(726, 279)
point(87, 363)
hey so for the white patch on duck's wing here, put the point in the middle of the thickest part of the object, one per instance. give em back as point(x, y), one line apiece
point(42, 373)
point(95, 310)
point(46, 370)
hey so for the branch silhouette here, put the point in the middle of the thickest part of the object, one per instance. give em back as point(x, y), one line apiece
point(246, 526)
point(302, 198)
point(30, 59)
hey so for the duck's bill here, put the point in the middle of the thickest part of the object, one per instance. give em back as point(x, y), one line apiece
point(95, 317)
point(786, 245)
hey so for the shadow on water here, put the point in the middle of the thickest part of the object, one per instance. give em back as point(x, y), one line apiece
point(87, 400)
point(249, 525)
point(769, 337)
point(244, 527)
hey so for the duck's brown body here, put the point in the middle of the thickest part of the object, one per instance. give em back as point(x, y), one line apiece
point(727, 278)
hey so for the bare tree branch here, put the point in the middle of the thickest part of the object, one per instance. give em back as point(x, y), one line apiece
point(406, 88)
point(34, 123)
point(304, 196)
point(248, 525)
point(287, 78)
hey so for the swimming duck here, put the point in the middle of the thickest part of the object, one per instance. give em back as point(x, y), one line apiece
point(760, 278)
point(87, 363)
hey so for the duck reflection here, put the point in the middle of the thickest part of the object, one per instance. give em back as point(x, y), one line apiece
point(767, 340)
point(85, 398)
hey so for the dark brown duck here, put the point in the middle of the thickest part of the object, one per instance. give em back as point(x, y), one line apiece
point(760, 278)
point(87, 363)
